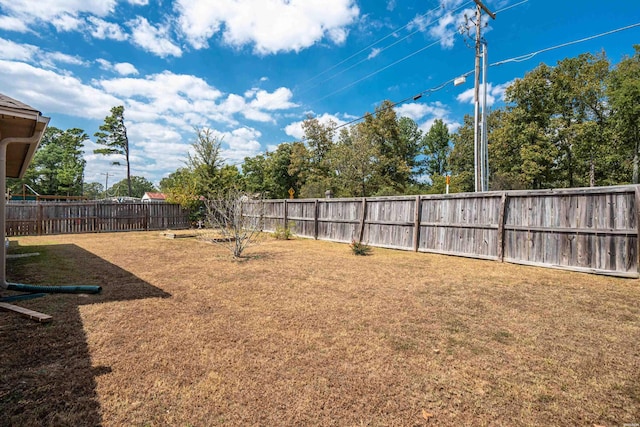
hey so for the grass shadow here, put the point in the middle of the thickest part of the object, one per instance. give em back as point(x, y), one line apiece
point(46, 374)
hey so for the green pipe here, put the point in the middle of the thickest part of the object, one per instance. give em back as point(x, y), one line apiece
point(55, 289)
point(21, 297)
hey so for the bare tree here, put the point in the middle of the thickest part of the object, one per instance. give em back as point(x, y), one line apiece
point(237, 218)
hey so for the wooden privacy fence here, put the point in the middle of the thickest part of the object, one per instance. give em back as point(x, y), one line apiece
point(591, 230)
point(30, 219)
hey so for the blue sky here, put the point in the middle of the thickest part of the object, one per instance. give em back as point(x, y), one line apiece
point(251, 70)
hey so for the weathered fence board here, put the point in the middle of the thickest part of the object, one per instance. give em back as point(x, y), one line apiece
point(584, 229)
point(44, 218)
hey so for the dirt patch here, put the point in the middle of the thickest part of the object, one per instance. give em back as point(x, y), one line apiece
point(303, 332)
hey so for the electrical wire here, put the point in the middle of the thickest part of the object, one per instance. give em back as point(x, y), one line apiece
point(364, 49)
point(404, 58)
point(411, 98)
point(378, 71)
point(510, 7)
point(381, 50)
point(515, 59)
point(528, 56)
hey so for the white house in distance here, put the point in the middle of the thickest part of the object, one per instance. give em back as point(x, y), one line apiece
point(154, 198)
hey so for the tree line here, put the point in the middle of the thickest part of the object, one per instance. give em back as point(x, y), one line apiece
point(573, 124)
point(58, 166)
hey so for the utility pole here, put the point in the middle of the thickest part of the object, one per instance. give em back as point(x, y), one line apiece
point(479, 151)
point(106, 182)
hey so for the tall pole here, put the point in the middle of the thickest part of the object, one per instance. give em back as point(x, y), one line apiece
point(476, 106)
point(485, 128)
point(106, 183)
point(477, 138)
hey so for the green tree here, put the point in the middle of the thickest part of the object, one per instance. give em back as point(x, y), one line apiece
point(181, 187)
point(113, 135)
point(205, 162)
point(355, 159)
point(139, 186)
point(93, 190)
point(461, 159)
point(523, 150)
point(312, 162)
point(58, 165)
point(437, 149)
point(382, 129)
point(254, 175)
point(410, 146)
point(579, 120)
point(279, 178)
point(624, 98)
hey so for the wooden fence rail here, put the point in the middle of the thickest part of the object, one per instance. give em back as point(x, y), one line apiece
point(591, 230)
point(42, 218)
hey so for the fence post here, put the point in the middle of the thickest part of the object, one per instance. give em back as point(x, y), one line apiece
point(95, 217)
point(416, 220)
point(362, 219)
point(315, 220)
point(147, 213)
point(638, 227)
point(285, 215)
point(501, 214)
point(39, 219)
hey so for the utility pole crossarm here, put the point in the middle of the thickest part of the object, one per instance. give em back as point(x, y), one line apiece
point(485, 8)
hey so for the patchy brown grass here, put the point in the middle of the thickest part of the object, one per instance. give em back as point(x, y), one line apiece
point(305, 333)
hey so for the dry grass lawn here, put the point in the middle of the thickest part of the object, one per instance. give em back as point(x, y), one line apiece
point(304, 333)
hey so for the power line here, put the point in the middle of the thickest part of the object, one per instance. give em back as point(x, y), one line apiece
point(515, 59)
point(391, 34)
point(401, 59)
point(379, 71)
point(510, 7)
point(528, 56)
point(381, 50)
point(411, 98)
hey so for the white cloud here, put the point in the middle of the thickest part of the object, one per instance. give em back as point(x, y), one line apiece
point(444, 23)
point(34, 55)
point(374, 52)
point(417, 111)
point(58, 57)
point(47, 10)
point(67, 22)
point(278, 100)
point(101, 29)
point(240, 143)
point(452, 126)
point(14, 51)
point(414, 111)
point(122, 68)
point(295, 129)
point(12, 23)
point(52, 92)
point(153, 39)
point(125, 68)
point(494, 93)
point(426, 114)
point(271, 26)
point(161, 110)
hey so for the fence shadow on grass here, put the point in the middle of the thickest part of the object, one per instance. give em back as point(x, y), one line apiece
point(46, 374)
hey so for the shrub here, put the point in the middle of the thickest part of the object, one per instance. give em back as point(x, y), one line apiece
point(359, 248)
point(284, 233)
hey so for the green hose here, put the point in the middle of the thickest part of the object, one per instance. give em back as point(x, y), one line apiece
point(55, 289)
